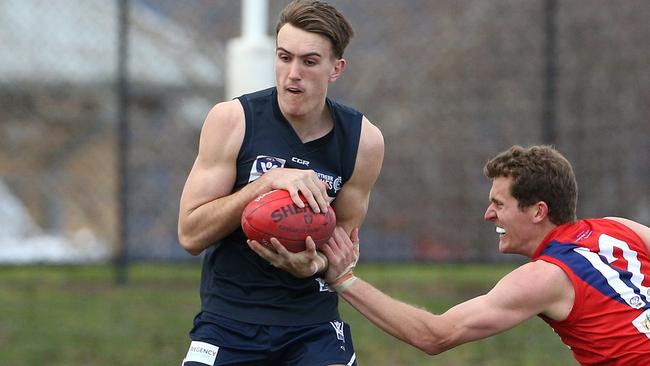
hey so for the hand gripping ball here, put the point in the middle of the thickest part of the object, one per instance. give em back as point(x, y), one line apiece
point(274, 215)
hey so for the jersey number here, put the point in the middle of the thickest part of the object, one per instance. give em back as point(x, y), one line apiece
point(630, 294)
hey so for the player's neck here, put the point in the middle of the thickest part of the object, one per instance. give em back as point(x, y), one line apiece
point(312, 126)
point(543, 230)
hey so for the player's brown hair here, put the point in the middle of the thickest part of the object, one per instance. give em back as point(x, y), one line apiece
point(321, 18)
point(540, 173)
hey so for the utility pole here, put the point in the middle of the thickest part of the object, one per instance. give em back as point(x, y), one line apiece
point(250, 58)
point(122, 98)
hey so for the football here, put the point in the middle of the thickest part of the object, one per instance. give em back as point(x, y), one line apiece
point(274, 215)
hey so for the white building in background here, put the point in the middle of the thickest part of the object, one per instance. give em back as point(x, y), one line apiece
point(70, 45)
point(72, 41)
point(21, 241)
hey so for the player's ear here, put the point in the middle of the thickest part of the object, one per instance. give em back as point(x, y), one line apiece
point(339, 66)
point(541, 211)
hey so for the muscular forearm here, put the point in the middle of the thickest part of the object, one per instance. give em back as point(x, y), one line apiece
point(200, 227)
point(405, 322)
point(212, 221)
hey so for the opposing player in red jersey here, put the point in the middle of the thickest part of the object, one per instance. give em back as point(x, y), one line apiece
point(589, 279)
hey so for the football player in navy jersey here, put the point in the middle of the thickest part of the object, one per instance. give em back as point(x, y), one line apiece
point(261, 306)
point(588, 279)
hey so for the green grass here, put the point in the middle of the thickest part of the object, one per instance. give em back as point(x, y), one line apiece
point(73, 315)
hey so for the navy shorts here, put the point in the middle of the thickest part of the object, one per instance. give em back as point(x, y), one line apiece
point(220, 341)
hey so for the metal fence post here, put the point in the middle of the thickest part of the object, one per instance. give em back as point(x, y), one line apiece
point(122, 98)
point(550, 72)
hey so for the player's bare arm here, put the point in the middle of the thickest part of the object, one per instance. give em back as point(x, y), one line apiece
point(203, 216)
point(209, 210)
point(535, 288)
point(351, 204)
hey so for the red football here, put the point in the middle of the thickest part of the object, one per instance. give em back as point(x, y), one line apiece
point(274, 215)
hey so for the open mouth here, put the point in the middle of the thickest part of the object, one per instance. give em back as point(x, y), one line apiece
point(293, 90)
point(500, 230)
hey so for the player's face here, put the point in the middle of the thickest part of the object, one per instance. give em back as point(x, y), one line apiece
point(513, 224)
point(304, 66)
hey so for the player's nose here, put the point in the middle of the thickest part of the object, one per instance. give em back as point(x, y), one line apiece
point(294, 70)
point(490, 214)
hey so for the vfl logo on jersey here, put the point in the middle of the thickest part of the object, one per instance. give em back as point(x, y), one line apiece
point(323, 285)
point(338, 328)
point(263, 164)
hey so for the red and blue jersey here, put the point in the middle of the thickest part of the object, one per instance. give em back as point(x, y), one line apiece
point(609, 266)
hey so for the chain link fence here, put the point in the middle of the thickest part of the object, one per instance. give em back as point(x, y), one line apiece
point(450, 83)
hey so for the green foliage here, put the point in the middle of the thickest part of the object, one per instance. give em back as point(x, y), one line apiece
point(70, 315)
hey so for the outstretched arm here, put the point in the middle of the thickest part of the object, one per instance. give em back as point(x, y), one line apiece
point(534, 288)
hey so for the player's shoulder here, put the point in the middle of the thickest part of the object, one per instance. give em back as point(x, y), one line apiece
point(371, 135)
point(227, 109)
point(370, 154)
point(227, 115)
point(540, 269)
point(223, 128)
point(539, 279)
point(624, 221)
point(536, 269)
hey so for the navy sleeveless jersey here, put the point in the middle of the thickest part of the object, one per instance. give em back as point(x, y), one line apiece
point(235, 281)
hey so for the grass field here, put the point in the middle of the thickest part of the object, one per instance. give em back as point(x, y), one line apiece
point(72, 315)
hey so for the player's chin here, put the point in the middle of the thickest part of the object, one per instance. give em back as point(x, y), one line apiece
point(503, 245)
point(296, 108)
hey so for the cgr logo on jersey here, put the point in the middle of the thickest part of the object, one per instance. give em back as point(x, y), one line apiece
point(263, 164)
point(300, 161)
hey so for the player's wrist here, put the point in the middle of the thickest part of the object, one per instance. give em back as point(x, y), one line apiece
point(343, 282)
